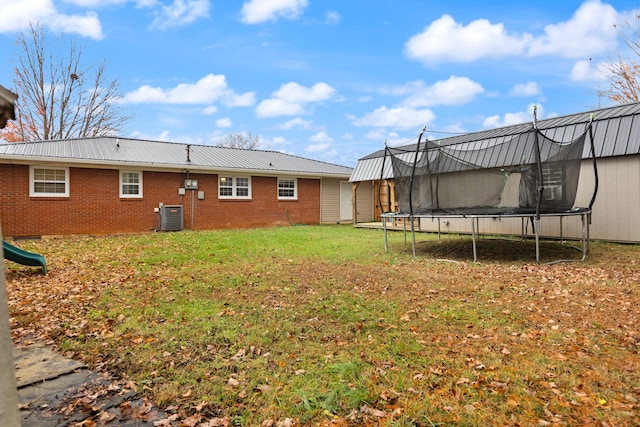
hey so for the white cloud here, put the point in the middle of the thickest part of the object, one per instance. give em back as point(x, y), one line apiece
point(333, 17)
point(291, 98)
point(514, 118)
point(453, 91)
point(402, 117)
point(278, 107)
point(207, 90)
point(321, 137)
point(17, 15)
point(588, 32)
point(583, 71)
point(104, 3)
point(296, 123)
point(211, 109)
point(224, 122)
point(446, 40)
point(275, 142)
point(322, 143)
point(525, 89)
point(257, 11)
point(87, 25)
point(181, 12)
point(244, 100)
point(321, 146)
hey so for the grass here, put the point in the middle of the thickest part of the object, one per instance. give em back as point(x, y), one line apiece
point(319, 325)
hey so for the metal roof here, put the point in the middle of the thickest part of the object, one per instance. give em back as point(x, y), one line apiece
point(119, 152)
point(616, 132)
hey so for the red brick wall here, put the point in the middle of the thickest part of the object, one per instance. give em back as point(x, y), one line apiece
point(95, 207)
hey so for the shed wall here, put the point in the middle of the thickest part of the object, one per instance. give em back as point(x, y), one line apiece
point(330, 203)
point(365, 201)
point(616, 211)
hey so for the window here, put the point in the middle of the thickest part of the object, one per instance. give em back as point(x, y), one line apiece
point(234, 187)
point(287, 188)
point(130, 184)
point(552, 180)
point(49, 182)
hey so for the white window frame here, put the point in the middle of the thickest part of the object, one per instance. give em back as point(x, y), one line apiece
point(123, 183)
point(295, 189)
point(234, 187)
point(33, 181)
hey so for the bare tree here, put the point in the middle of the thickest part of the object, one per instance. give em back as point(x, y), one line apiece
point(623, 72)
point(242, 140)
point(59, 98)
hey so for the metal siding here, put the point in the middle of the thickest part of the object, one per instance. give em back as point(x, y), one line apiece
point(622, 137)
point(364, 202)
point(369, 169)
point(599, 137)
point(501, 158)
point(168, 154)
point(553, 134)
point(611, 137)
point(330, 201)
point(633, 146)
point(563, 128)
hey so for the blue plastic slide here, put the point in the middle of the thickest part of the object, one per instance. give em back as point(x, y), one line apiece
point(15, 254)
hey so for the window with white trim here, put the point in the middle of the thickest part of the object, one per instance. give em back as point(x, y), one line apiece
point(48, 181)
point(234, 187)
point(287, 188)
point(130, 184)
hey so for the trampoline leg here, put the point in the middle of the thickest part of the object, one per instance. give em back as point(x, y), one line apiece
point(413, 236)
point(585, 239)
point(384, 227)
point(536, 227)
point(473, 239)
point(404, 229)
point(588, 233)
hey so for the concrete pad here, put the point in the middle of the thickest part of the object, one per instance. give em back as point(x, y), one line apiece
point(50, 386)
point(35, 364)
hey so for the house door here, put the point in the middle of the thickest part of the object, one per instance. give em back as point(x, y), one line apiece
point(346, 209)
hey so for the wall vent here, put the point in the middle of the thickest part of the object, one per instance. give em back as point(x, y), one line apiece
point(171, 218)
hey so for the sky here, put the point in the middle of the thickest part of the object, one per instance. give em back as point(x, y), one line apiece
point(334, 80)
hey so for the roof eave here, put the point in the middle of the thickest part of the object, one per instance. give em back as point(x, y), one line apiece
point(168, 167)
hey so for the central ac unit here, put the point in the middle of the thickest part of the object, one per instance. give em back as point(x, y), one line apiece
point(171, 218)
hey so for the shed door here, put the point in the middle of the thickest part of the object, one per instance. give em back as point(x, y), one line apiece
point(346, 209)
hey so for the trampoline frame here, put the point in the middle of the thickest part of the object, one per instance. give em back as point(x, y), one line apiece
point(584, 213)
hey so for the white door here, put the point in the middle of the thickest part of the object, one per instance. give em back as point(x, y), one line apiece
point(346, 210)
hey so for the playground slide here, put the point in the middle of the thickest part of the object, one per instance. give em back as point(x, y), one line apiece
point(15, 254)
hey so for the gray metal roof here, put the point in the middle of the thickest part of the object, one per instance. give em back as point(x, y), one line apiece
point(616, 132)
point(119, 152)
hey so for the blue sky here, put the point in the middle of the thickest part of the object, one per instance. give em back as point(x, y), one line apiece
point(332, 80)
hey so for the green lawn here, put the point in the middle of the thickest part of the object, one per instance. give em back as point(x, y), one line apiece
point(318, 325)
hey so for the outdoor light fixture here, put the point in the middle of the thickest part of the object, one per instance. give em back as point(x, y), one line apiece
point(191, 184)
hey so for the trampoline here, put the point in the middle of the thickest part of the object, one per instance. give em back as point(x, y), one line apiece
point(525, 175)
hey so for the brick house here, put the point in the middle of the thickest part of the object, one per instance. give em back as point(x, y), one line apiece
point(107, 185)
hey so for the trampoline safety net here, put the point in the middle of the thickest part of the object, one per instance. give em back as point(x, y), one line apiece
point(523, 173)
